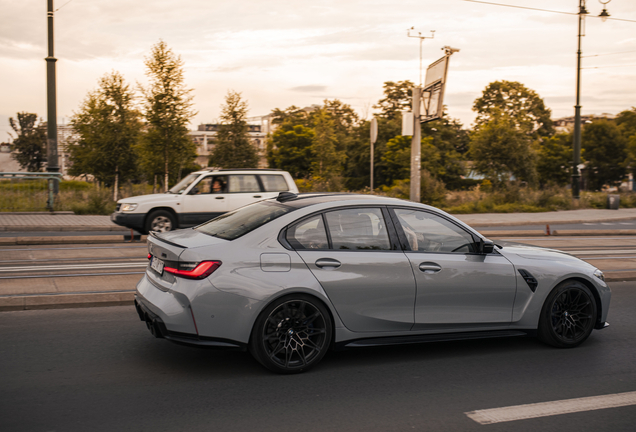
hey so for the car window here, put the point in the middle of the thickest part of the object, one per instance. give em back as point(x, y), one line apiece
point(244, 183)
point(183, 184)
point(308, 234)
point(210, 184)
point(427, 232)
point(274, 183)
point(358, 229)
point(234, 224)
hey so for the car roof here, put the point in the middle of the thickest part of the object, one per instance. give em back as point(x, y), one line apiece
point(238, 170)
point(309, 199)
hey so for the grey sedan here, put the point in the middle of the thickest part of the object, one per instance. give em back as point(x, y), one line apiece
point(290, 278)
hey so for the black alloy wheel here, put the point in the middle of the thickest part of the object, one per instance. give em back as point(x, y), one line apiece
point(568, 315)
point(292, 334)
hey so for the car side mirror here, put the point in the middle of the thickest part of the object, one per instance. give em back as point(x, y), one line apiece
point(486, 246)
point(194, 191)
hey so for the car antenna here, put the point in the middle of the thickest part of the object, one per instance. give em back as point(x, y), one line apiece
point(286, 196)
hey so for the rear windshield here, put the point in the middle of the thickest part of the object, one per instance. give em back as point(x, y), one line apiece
point(236, 223)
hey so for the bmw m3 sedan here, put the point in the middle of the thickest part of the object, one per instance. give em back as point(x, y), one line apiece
point(290, 278)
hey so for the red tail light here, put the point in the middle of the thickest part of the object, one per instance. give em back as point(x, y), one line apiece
point(201, 271)
point(149, 256)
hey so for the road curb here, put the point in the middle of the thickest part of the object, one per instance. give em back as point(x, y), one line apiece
point(65, 301)
point(13, 241)
point(481, 224)
point(67, 228)
point(557, 233)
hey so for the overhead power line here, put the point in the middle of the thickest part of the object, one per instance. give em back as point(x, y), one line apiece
point(544, 10)
point(606, 54)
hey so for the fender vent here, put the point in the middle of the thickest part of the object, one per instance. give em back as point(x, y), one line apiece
point(530, 280)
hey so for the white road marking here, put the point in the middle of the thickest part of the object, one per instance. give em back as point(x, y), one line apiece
point(626, 223)
point(545, 409)
point(587, 223)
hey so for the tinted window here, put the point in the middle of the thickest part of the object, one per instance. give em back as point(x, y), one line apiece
point(274, 183)
point(244, 183)
point(308, 234)
point(241, 221)
point(358, 229)
point(427, 232)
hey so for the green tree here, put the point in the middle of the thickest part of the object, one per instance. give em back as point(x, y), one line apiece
point(554, 162)
point(398, 97)
point(326, 167)
point(605, 150)
point(166, 147)
point(626, 121)
point(289, 148)
point(109, 127)
point(29, 144)
point(515, 101)
point(232, 146)
point(500, 150)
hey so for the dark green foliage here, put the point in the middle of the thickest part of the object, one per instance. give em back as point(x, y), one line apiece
point(500, 150)
point(519, 104)
point(29, 145)
point(605, 150)
point(293, 149)
point(232, 146)
point(109, 127)
point(166, 147)
point(554, 165)
point(398, 97)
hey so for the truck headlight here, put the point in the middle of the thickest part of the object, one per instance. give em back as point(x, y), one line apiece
point(599, 274)
point(128, 207)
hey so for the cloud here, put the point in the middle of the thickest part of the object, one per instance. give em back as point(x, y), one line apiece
point(309, 89)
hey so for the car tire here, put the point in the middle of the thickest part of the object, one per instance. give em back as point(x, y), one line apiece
point(568, 315)
point(292, 334)
point(160, 221)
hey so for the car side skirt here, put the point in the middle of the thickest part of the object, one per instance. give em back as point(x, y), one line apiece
point(412, 339)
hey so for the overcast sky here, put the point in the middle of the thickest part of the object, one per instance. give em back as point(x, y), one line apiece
point(281, 53)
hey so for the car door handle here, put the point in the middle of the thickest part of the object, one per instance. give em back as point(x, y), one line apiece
point(430, 267)
point(327, 262)
point(220, 197)
point(257, 196)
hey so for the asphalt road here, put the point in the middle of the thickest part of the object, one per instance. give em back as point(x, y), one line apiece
point(99, 369)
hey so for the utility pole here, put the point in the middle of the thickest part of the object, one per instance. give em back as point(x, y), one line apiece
point(51, 121)
point(416, 166)
point(374, 137)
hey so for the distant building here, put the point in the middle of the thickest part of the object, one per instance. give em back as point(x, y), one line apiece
point(258, 129)
point(566, 124)
point(66, 136)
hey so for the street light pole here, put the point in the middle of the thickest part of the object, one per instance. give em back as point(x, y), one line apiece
point(576, 175)
point(51, 121)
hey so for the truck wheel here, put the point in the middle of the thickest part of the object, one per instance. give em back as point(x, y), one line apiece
point(160, 221)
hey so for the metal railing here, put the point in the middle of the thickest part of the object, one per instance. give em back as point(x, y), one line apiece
point(28, 191)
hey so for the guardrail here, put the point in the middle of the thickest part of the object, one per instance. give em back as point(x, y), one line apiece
point(28, 191)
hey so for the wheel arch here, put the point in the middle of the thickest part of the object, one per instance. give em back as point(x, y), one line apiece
point(168, 209)
point(597, 297)
point(285, 294)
